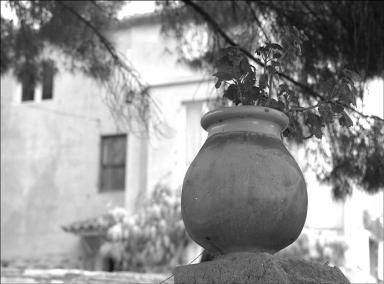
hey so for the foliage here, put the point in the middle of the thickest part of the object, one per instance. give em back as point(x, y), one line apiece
point(375, 226)
point(341, 33)
point(311, 247)
point(340, 36)
point(323, 250)
point(357, 157)
point(153, 239)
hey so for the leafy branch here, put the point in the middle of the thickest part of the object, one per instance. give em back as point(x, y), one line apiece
point(123, 84)
point(306, 89)
point(109, 47)
point(243, 86)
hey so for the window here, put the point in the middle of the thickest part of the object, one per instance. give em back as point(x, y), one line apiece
point(113, 161)
point(373, 257)
point(28, 87)
point(47, 80)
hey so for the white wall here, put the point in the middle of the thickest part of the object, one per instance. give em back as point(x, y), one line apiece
point(50, 165)
point(173, 87)
point(50, 149)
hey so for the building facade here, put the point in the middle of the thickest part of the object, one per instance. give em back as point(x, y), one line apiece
point(63, 157)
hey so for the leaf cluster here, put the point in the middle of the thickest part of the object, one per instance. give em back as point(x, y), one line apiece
point(341, 34)
point(244, 84)
point(358, 158)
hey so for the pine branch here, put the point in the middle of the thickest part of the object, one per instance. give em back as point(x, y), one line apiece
point(103, 40)
point(257, 21)
point(215, 26)
point(109, 47)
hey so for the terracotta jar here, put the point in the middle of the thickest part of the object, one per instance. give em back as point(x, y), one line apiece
point(244, 191)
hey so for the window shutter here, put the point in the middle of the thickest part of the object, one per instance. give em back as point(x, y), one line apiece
point(113, 161)
point(47, 80)
point(28, 87)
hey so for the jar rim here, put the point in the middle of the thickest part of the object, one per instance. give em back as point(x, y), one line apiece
point(252, 112)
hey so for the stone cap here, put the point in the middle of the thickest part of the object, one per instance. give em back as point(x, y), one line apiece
point(245, 118)
point(258, 268)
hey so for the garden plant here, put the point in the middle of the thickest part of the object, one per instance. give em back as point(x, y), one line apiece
point(244, 191)
point(244, 84)
point(154, 239)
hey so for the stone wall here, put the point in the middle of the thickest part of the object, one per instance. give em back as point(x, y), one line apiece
point(68, 276)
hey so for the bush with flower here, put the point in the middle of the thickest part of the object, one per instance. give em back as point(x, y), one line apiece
point(153, 239)
point(323, 247)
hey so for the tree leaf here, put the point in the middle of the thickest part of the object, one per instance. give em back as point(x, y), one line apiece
point(315, 123)
point(345, 120)
point(224, 76)
point(352, 75)
point(260, 50)
point(255, 92)
point(249, 80)
point(337, 108)
point(275, 46)
point(263, 81)
point(317, 132)
point(231, 93)
point(218, 83)
point(283, 87)
point(245, 66)
point(326, 113)
point(280, 105)
point(271, 69)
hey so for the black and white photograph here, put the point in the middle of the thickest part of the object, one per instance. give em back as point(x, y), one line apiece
point(191, 141)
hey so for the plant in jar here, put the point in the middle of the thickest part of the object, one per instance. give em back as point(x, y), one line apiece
point(244, 192)
point(244, 84)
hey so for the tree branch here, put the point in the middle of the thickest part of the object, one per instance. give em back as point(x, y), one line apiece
point(257, 21)
point(215, 26)
point(305, 108)
point(103, 40)
point(310, 10)
point(109, 47)
point(103, 10)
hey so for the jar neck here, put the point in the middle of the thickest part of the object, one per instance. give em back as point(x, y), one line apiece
point(259, 126)
point(262, 120)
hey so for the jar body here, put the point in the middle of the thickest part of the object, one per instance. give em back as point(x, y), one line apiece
point(243, 192)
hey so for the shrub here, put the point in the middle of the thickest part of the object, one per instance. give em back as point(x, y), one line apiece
point(151, 240)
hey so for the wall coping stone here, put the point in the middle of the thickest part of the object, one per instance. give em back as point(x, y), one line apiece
point(258, 268)
point(51, 276)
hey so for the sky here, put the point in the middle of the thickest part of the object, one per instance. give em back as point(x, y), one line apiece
point(131, 8)
point(374, 98)
point(135, 8)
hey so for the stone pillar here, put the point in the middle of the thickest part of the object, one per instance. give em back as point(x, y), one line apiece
point(244, 198)
point(255, 268)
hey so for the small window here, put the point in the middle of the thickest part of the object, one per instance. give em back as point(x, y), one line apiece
point(113, 161)
point(30, 80)
point(48, 73)
point(373, 257)
point(28, 87)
